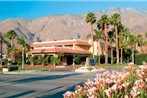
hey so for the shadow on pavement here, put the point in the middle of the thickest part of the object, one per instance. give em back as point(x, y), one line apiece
point(21, 94)
point(60, 94)
point(2, 93)
point(52, 77)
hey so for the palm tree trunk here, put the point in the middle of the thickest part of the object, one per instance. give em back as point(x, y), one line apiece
point(111, 54)
point(22, 58)
point(11, 43)
point(141, 49)
point(106, 45)
point(91, 26)
point(99, 59)
point(133, 55)
point(117, 49)
point(121, 55)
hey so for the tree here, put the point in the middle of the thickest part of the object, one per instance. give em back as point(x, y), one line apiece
point(123, 41)
point(91, 18)
point(111, 39)
point(102, 24)
point(21, 41)
point(97, 37)
point(140, 41)
point(132, 44)
point(116, 20)
point(11, 35)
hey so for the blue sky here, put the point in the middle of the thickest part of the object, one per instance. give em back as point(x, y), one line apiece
point(36, 9)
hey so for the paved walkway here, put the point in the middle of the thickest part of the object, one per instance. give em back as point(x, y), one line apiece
point(42, 84)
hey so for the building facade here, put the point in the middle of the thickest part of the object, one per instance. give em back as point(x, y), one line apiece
point(70, 48)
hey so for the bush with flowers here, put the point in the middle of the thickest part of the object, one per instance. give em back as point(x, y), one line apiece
point(131, 83)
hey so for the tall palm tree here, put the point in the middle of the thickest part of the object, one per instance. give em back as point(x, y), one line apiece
point(103, 24)
point(123, 41)
point(132, 44)
point(21, 41)
point(111, 39)
point(116, 20)
point(91, 18)
point(97, 37)
point(140, 41)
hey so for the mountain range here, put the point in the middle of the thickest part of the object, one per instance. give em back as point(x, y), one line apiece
point(69, 26)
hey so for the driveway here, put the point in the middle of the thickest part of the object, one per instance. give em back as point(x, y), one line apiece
point(42, 84)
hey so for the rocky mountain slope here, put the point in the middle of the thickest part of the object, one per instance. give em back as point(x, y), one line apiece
point(70, 26)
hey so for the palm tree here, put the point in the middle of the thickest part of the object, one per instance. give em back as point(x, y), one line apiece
point(102, 24)
point(91, 18)
point(132, 44)
point(97, 37)
point(140, 41)
point(111, 39)
point(11, 35)
point(123, 41)
point(21, 41)
point(116, 20)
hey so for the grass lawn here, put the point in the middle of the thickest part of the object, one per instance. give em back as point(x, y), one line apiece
point(119, 65)
point(0, 69)
point(28, 68)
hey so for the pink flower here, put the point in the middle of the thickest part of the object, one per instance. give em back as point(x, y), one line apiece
point(131, 64)
point(134, 93)
point(125, 84)
point(108, 92)
point(126, 96)
point(114, 87)
point(69, 94)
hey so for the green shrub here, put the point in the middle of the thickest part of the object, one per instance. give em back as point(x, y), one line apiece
point(0, 69)
point(18, 60)
point(96, 58)
point(54, 61)
point(32, 59)
point(42, 60)
point(77, 59)
point(139, 58)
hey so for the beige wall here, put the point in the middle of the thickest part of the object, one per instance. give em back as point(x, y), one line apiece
point(99, 48)
point(81, 47)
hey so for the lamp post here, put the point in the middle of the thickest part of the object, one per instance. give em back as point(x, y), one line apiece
point(22, 58)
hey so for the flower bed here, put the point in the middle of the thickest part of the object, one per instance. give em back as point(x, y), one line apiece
point(40, 66)
point(131, 83)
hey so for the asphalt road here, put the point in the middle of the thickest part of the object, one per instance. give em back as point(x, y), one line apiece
point(42, 84)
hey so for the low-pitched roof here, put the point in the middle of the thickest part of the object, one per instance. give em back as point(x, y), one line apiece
point(61, 42)
point(59, 49)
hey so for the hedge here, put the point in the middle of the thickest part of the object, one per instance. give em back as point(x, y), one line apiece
point(0, 69)
point(139, 58)
point(11, 68)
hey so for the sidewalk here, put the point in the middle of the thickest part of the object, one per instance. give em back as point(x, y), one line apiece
point(22, 72)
